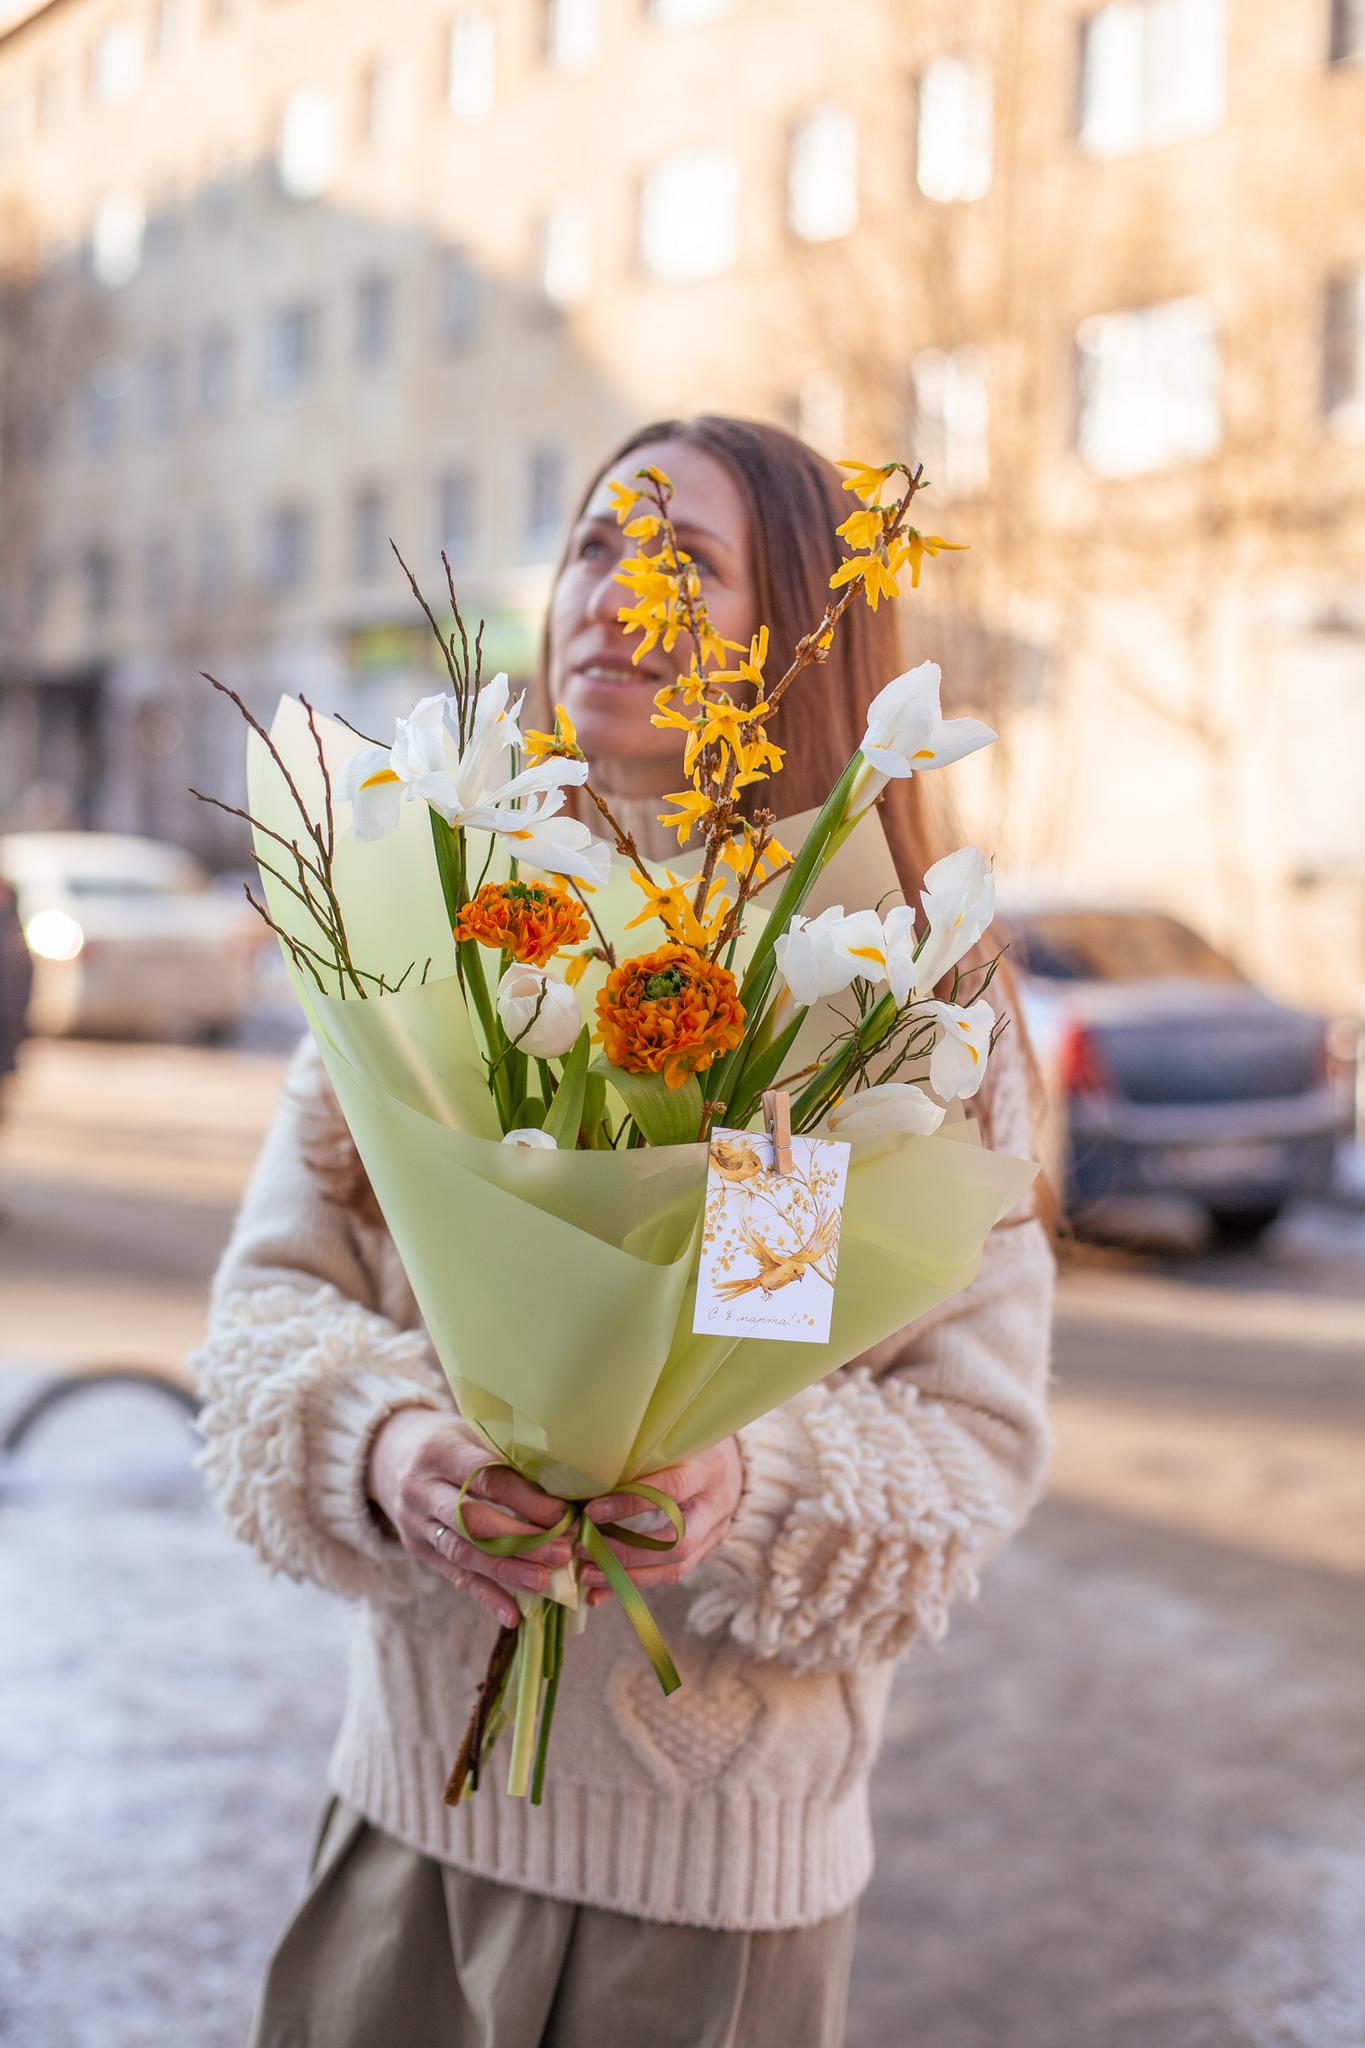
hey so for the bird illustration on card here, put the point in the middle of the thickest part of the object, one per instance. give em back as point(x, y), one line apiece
point(770, 1239)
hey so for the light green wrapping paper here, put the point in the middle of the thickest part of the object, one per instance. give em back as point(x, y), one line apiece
point(558, 1288)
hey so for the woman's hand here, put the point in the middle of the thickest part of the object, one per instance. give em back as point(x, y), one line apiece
point(418, 1462)
point(707, 1489)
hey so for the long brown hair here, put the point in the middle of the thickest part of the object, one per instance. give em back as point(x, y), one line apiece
point(795, 499)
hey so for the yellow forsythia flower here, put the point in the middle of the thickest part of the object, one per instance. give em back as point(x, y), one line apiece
point(914, 546)
point(868, 479)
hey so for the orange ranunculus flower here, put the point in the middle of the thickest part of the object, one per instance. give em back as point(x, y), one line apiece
point(670, 1012)
point(529, 920)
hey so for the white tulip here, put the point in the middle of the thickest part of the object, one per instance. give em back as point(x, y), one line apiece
point(531, 1140)
point(820, 956)
point(898, 938)
point(959, 902)
point(890, 1106)
point(562, 846)
point(468, 788)
point(907, 733)
point(539, 1011)
point(957, 1064)
point(379, 780)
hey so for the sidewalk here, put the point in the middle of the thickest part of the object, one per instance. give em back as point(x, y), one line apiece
point(1121, 1808)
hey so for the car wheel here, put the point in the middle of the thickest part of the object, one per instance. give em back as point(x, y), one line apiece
point(1237, 1227)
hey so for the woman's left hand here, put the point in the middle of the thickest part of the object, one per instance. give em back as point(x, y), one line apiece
point(707, 1489)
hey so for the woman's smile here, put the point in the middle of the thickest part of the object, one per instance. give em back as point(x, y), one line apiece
point(609, 698)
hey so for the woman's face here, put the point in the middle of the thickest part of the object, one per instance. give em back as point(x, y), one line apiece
point(591, 674)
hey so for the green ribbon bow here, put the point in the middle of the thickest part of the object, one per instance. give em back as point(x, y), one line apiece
point(594, 1538)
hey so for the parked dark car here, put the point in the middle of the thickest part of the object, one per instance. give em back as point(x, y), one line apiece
point(1170, 1071)
point(16, 979)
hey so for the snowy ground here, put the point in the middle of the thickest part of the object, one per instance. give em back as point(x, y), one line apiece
point(1121, 1809)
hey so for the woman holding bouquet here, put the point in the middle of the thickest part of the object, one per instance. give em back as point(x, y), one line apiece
point(693, 1873)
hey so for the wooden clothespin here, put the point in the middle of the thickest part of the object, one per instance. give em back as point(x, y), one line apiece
point(777, 1118)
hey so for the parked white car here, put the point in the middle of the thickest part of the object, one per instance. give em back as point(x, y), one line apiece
point(128, 937)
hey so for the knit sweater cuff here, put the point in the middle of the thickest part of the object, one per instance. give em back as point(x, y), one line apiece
point(295, 1383)
point(780, 1468)
point(356, 1411)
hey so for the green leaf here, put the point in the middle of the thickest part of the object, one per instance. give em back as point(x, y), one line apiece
point(667, 1116)
point(758, 977)
point(810, 859)
point(762, 1070)
point(831, 1077)
point(529, 1114)
point(566, 1111)
point(594, 1110)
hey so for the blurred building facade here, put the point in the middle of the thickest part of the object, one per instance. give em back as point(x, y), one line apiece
point(285, 278)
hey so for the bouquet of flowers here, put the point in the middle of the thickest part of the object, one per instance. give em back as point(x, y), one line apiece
point(620, 1164)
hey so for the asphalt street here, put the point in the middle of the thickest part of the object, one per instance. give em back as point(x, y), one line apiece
point(1121, 1807)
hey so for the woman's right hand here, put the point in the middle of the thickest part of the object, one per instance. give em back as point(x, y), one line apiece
point(418, 1462)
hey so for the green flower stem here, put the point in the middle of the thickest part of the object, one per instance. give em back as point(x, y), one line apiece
point(554, 1659)
point(816, 850)
point(529, 1672)
point(822, 1087)
point(797, 886)
point(450, 866)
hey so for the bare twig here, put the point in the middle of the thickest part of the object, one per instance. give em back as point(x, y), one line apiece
point(624, 842)
point(608, 949)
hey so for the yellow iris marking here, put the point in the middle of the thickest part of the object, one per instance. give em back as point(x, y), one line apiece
point(867, 953)
point(383, 775)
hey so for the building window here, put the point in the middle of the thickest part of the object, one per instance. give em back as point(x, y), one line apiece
point(369, 534)
point(457, 299)
point(101, 404)
point(1348, 31)
point(687, 13)
point(571, 34)
point(544, 494)
point(212, 561)
point(566, 253)
point(387, 109)
point(161, 393)
point(952, 419)
point(822, 176)
point(1151, 72)
point(288, 546)
point(1343, 354)
point(158, 576)
point(953, 144)
point(374, 319)
point(291, 350)
point(215, 372)
point(99, 575)
point(1147, 388)
point(306, 149)
point(689, 216)
point(455, 513)
point(116, 235)
point(115, 63)
point(469, 65)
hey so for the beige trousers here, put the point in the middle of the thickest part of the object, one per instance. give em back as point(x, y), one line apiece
point(390, 1949)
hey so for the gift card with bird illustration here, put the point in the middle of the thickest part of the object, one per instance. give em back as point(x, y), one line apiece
point(770, 1243)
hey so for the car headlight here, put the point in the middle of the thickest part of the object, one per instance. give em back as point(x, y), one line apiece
point(54, 935)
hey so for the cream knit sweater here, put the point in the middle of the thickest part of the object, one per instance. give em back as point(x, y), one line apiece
point(870, 1502)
